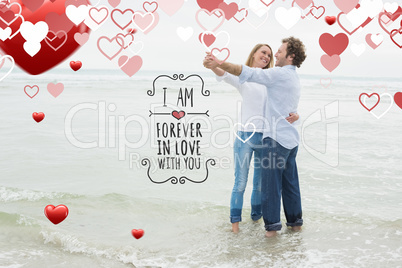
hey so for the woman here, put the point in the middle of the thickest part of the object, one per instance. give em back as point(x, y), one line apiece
point(249, 137)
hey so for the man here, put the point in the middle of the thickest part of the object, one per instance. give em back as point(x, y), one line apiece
point(280, 138)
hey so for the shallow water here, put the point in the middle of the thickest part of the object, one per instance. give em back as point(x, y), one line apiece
point(351, 187)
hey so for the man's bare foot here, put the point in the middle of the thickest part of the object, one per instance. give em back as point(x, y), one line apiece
point(235, 227)
point(296, 228)
point(270, 233)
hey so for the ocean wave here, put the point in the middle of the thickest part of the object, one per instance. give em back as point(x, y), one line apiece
point(14, 194)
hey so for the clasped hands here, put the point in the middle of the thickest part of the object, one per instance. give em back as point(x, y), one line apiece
point(209, 61)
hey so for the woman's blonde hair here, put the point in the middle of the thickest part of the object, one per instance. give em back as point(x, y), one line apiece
point(249, 61)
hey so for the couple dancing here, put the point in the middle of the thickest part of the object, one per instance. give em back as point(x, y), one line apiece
point(269, 108)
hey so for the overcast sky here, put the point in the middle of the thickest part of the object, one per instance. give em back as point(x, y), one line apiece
point(164, 50)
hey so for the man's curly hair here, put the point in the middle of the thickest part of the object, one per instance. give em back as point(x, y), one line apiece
point(296, 48)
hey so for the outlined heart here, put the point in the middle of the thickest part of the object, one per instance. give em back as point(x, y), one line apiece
point(218, 52)
point(363, 103)
point(351, 31)
point(110, 48)
point(31, 91)
point(137, 233)
point(178, 115)
point(2, 61)
point(56, 214)
point(374, 40)
point(396, 37)
point(386, 110)
point(245, 127)
point(206, 23)
point(122, 19)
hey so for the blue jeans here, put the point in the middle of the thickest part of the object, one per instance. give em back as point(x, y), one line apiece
point(243, 151)
point(280, 178)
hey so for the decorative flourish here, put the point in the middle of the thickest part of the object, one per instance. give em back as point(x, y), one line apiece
point(174, 179)
point(204, 92)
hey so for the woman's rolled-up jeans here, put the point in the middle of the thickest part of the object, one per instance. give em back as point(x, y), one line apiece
point(243, 152)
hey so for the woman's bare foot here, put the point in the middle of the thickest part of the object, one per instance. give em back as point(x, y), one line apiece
point(235, 227)
point(270, 233)
point(296, 228)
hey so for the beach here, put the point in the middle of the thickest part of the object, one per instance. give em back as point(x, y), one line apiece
point(348, 162)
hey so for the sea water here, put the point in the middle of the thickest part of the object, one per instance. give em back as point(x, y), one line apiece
point(348, 162)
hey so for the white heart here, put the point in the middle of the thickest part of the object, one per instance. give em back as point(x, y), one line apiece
point(12, 66)
point(32, 48)
point(184, 33)
point(77, 14)
point(287, 17)
point(244, 126)
point(5, 33)
point(34, 33)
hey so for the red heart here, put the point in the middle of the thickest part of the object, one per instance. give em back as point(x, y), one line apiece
point(229, 9)
point(208, 38)
point(56, 214)
point(330, 20)
point(334, 45)
point(396, 37)
point(47, 57)
point(209, 4)
point(369, 96)
point(178, 115)
point(75, 65)
point(137, 233)
point(398, 99)
point(38, 116)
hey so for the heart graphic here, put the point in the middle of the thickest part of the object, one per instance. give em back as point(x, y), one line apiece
point(2, 61)
point(304, 3)
point(374, 40)
point(56, 40)
point(150, 7)
point(244, 127)
point(346, 5)
point(398, 99)
point(122, 19)
point(137, 233)
point(33, 90)
point(207, 38)
point(369, 96)
point(396, 37)
point(55, 89)
point(330, 20)
point(267, 2)
point(317, 12)
point(128, 39)
point(287, 17)
point(209, 5)
point(114, 3)
point(75, 65)
point(206, 23)
point(333, 45)
point(383, 107)
point(56, 214)
point(218, 52)
point(229, 9)
point(330, 62)
point(143, 21)
point(351, 28)
point(178, 115)
point(81, 39)
point(325, 82)
point(170, 7)
point(184, 33)
point(110, 48)
point(38, 116)
point(130, 65)
point(241, 15)
point(387, 20)
point(46, 57)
